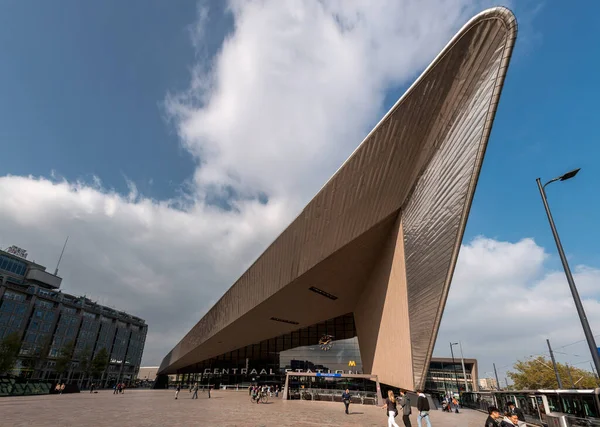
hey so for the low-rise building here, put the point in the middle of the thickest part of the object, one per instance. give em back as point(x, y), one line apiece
point(488, 384)
point(445, 376)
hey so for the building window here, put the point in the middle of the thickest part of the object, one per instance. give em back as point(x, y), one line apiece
point(15, 296)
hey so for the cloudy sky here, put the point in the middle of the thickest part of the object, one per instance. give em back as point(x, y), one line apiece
point(173, 142)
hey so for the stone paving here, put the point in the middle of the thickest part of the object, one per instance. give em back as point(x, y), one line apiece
point(145, 408)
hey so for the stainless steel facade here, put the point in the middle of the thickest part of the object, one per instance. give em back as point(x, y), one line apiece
point(385, 228)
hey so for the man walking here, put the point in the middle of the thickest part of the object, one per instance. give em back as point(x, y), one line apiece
point(195, 390)
point(406, 409)
point(346, 399)
point(423, 408)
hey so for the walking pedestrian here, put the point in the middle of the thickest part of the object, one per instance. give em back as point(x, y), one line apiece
point(62, 388)
point(423, 408)
point(195, 395)
point(455, 404)
point(177, 390)
point(391, 410)
point(92, 388)
point(346, 399)
point(406, 409)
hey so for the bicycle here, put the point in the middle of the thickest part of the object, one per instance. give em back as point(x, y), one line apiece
point(261, 397)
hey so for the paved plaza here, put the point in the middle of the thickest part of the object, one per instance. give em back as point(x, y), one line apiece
point(142, 408)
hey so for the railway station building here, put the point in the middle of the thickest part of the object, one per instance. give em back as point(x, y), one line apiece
point(357, 283)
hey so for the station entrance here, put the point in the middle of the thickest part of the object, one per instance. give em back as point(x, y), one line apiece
point(364, 388)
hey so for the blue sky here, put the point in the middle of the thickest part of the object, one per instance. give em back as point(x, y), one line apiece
point(83, 89)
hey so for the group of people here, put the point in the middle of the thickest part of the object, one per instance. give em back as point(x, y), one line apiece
point(119, 388)
point(394, 405)
point(263, 390)
point(193, 389)
point(59, 388)
point(450, 404)
point(513, 417)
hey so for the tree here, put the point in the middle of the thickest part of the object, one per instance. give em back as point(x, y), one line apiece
point(538, 374)
point(99, 362)
point(40, 353)
point(65, 357)
point(9, 350)
point(84, 362)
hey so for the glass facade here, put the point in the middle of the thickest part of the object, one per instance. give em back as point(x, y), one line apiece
point(87, 334)
point(444, 377)
point(106, 335)
point(13, 312)
point(66, 330)
point(136, 346)
point(327, 347)
point(39, 330)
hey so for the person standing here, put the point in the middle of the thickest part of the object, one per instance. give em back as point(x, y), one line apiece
point(195, 395)
point(406, 409)
point(391, 410)
point(92, 388)
point(62, 388)
point(346, 399)
point(177, 390)
point(494, 415)
point(423, 408)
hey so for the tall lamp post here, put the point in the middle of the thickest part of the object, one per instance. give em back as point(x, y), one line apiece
point(452, 344)
point(589, 336)
point(462, 360)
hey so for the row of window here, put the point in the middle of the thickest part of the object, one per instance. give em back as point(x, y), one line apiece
point(12, 266)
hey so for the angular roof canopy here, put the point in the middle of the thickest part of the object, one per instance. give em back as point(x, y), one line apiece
point(383, 234)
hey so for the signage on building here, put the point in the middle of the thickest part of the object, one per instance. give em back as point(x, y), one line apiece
point(15, 250)
point(351, 363)
point(264, 371)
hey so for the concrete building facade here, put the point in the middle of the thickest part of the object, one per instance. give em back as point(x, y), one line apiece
point(47, 320)
point(359, 280)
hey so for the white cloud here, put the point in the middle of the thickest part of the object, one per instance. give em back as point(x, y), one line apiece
point(504, 304)
point(290, 94)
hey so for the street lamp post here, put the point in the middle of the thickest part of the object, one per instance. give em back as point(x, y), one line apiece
point(452, 344)
point(462, 360)
point(589, 336)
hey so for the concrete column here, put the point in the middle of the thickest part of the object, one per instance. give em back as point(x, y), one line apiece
point(381, 315)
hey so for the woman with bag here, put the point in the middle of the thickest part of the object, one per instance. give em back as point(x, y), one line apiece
point(392, 411)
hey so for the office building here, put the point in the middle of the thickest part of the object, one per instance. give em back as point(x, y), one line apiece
point(48, 322)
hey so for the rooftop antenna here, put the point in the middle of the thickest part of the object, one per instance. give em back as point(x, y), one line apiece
point(60, 258)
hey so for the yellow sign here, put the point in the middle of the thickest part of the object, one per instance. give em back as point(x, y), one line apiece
point(351, 363)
